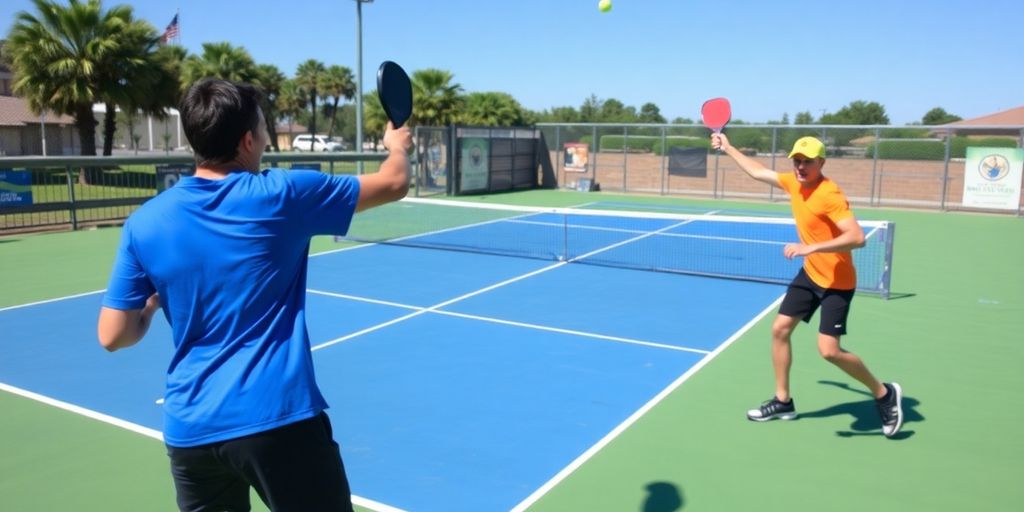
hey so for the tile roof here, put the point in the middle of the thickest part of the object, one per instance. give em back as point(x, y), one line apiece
point(1011, 117)
point(14, 111)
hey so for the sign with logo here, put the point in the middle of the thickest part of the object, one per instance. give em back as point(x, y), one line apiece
point(168, 175)
point(575, 156)
point(15, 187)
point(992, 178)
point(473, 164)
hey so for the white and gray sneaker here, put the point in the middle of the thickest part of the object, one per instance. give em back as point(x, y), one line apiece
point(773, 409)
point(890, 408)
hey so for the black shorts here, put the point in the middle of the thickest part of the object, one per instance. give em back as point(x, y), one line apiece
point(294, 467)
point(803, 298)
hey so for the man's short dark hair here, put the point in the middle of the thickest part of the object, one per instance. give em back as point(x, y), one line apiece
point(216, 114)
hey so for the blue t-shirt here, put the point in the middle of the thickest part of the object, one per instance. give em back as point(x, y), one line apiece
point(228, 258)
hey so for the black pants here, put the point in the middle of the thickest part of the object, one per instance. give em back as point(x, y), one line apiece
point(296, 467)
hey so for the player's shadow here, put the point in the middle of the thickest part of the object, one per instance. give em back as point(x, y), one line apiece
point(663, 497)
point(865, 415)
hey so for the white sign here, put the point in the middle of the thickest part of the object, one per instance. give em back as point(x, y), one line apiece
point(992, 178)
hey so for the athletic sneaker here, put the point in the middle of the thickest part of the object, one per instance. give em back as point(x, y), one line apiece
point(772, 409)
point(890, 408)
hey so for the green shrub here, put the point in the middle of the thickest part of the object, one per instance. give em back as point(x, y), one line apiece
point(635, 143)
point(682, 142)
point(933, 149)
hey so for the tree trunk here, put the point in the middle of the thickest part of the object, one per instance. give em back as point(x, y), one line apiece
point(271, 120)
point(109, 128)
point(334, 115)
point(85, 122)
point(312, 123)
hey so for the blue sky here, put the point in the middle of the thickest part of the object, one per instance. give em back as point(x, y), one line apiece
point(768, 57)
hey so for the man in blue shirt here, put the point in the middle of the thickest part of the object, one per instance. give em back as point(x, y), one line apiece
point(224, 254)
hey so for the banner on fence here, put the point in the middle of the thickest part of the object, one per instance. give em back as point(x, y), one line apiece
point(474, 164)
point(168, 175)
point(576, 156)
point(15, 187)
point(691, 162)
point(992, 178)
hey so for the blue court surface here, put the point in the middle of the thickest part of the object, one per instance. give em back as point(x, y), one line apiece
point(456, 381)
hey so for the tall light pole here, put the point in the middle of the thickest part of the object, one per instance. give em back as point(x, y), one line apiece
point(359, 80)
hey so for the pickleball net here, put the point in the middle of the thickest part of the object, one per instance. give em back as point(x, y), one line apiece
point(721, 246)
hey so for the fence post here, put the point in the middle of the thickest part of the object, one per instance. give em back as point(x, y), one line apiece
point(558, 157)
point(597, 149)
point(945, 169)
point(71, 197)
point(664, 157)
point(874, 165)
point(775, 147)
point(625, 157)
point(714, 188)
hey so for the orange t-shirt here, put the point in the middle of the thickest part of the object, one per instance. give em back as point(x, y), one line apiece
point(817, 210)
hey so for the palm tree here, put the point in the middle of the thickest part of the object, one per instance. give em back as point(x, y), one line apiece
point(59, 56)
point(131, 77)
point(436, 100)
point(291, 101)
point(309, 76)
point(338, 82)
point(271, 80)
point(219, 60)
point(161, 89)
point(493, 109)
point(374, 118)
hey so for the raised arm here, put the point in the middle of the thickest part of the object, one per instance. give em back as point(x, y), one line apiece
point(391, 182)
point(752, 167)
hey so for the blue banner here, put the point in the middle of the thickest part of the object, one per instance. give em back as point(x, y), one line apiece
point(15, 187)
point(168, 175)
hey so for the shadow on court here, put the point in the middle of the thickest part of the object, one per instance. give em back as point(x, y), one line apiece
point(663, 497)
point(865, 416)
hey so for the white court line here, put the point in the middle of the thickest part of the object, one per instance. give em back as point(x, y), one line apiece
point(148, 432)
point(88, 413)
point(608, 438)
point(8, 308)
point(513, 323)
point(449, 302)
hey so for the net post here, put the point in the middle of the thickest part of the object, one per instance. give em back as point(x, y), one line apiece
point(887, 269)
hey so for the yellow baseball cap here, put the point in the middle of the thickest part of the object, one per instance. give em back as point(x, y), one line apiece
point(809, 147)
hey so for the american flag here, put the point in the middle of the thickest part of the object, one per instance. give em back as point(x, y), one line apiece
point(171, 31)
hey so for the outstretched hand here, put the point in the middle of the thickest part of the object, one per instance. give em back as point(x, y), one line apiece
point(720, 142)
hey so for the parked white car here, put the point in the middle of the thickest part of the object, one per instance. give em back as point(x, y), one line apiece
point(317, 143)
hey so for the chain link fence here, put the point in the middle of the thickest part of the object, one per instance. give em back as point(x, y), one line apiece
point(912, 166)
point(53, 193)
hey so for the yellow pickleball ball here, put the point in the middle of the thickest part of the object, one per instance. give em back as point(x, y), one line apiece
point(604, 5)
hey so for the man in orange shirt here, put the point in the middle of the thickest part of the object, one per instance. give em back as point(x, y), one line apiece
point(828, 232)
